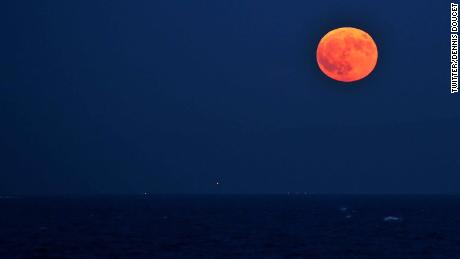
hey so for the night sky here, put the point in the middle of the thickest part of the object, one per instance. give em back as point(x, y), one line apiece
point(170, 96)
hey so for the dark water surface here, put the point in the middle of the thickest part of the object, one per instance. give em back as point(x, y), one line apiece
point(231, 226)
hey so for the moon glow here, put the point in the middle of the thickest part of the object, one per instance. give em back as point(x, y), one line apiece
point(347, 54)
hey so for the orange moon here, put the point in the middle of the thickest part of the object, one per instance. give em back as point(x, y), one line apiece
point(347, 54)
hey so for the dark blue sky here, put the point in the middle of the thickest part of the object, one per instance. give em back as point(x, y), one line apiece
point(171, 95)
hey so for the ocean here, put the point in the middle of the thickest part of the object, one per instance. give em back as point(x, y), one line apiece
point(231, 226)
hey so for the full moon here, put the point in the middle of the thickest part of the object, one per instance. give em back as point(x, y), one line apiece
point(347, 54)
